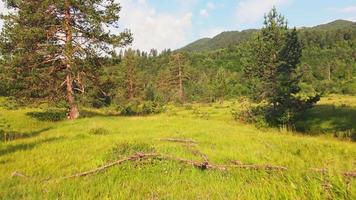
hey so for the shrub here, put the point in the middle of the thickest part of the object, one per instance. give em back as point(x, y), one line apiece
point(98, 131)
point(137, 108)
point(48, 115)
point(247, 112)
point(201, 114)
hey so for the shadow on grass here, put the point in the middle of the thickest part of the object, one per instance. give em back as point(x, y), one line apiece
point(48, 115)
point(60, 115)
point(340, 121)
point(28, 146)
point(90, 114)
point(12, 135)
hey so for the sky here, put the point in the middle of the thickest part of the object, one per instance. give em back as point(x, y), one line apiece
point(163, 24)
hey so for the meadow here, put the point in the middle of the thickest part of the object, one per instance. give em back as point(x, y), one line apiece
point(43, 149)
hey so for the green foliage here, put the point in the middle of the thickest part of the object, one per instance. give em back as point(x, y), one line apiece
point(272, 75)
point(50, 115)
point(140, 108)
point(98, 131)
point(52, 50)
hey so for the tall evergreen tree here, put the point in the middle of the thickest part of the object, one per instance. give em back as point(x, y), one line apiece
point(274, 61)
point(54, 46)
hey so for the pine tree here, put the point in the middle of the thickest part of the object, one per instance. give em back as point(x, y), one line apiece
point(219, 84)
point(130, 64)
point(54, 46)
point(178, 68)
point(273, 78)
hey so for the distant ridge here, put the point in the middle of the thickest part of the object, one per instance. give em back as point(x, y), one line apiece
point(338, 24)
point(225, 39)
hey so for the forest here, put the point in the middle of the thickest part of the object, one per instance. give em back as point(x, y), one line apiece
point(253, 114)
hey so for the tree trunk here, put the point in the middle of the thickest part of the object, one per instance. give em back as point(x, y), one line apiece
point(131, 94)
point(73, 112)
point(180, 77)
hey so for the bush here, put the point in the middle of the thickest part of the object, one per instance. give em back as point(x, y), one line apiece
point(137, 108)
point(247, 112)
point(48, 115)
point(98, 131)
point(201, 114)
point(9, 104)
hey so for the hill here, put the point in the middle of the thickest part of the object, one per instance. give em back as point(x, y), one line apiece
point(338, 24)
point(225, 39)
point(220, 41)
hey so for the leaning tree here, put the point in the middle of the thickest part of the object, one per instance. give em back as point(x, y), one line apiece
point(54, 48)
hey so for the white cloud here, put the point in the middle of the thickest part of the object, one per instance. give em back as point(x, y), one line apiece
point(211, 5)
point(250, 11)
point(350, 9)
point(152, 29)
point(204, 12)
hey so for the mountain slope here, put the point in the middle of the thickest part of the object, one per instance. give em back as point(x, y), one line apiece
point(222, 40)
point(338, 24)
point(226, 39)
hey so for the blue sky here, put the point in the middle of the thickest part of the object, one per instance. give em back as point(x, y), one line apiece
point(172, 24)
point(188, 20)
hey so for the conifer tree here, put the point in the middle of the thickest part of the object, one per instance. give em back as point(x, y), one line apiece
point(130, 64)
point(178, 68)
point(275, 56)
point(54, 46)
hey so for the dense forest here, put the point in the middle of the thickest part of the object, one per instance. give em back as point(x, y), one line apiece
point(327, 66)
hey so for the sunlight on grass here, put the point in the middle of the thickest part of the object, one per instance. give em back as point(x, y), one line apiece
point(65, 147)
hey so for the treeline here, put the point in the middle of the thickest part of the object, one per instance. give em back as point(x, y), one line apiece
point(66, 57)
point(328, 65)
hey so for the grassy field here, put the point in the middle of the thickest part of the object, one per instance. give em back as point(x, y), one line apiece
point(45, 151)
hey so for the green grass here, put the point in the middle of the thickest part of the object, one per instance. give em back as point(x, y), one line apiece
point(57, 149)
point(334, 115)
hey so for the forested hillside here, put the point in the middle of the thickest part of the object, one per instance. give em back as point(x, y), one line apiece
point(233, 38)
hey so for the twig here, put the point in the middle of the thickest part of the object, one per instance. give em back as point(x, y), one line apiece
point(179, 140)
point(350, 174)
point(196, 152)
point(17, 174)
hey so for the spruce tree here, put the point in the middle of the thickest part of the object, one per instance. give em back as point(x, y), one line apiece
point(53, 47)
point(275, 55)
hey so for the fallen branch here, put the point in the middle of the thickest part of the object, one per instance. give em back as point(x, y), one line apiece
point(196, 152)
point(322, 171)
point(179, 140)
point(17, 174)
point(135, 157)
point(201, 165)
point(350, 174)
